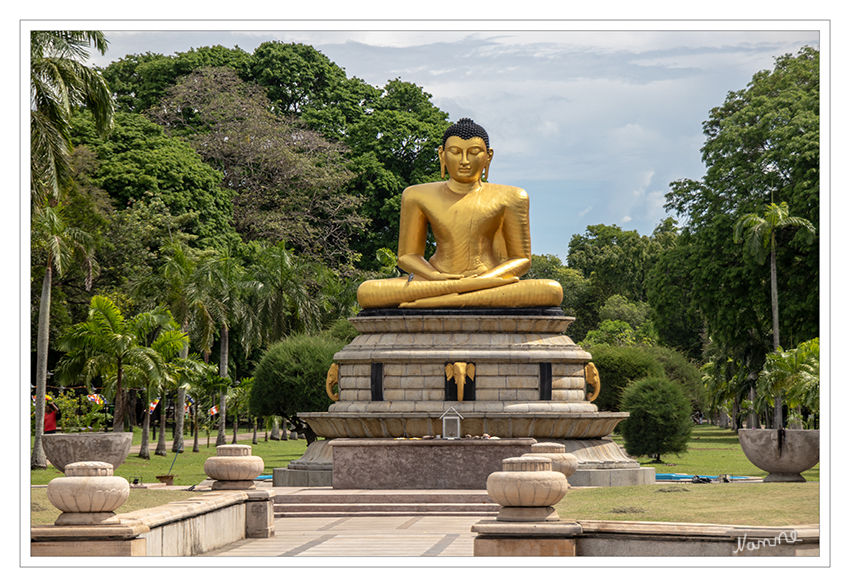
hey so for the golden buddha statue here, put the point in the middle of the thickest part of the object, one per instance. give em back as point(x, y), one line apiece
point(482, 234)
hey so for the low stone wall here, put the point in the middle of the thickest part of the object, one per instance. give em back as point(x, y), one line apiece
point(199, 524)
point(642, 539)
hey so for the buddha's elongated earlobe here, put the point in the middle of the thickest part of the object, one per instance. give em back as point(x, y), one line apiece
point(487, 167)
point(442, 162)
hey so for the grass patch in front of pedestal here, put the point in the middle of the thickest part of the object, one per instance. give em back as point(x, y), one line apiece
point(44, 513)
point(758, 504)
point(188, 467)
point(712, 451)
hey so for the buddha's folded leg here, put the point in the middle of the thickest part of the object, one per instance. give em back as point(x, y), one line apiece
point(391, 293)
point(530, 293)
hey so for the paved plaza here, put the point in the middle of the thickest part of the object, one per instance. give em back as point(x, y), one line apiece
point(379, 536)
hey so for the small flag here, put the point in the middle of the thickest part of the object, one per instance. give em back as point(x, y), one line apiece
point(152, 407)
point(213, 410)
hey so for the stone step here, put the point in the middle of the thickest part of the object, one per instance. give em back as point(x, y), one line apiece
point(383, 514)
point(385, 507)
point(330, 496)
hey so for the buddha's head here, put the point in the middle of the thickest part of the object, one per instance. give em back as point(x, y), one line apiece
point(465, 152)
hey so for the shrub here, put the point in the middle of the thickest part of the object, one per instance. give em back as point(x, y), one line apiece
point(611, 332)
point(682, 370)
point(290, 378)
point(659, 419)
point(618, 366)
point(342, 330)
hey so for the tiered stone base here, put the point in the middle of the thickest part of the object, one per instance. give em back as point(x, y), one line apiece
point(525, 379)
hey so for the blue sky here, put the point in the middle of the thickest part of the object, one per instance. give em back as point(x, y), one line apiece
point(594, 124)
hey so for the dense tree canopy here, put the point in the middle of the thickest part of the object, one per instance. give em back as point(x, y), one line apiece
point(139, 161)
point(287, 180)
point(761, 145)
point(140, 81)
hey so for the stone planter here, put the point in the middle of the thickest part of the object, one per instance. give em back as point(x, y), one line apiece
point(562, 461)
point(88, 494)
point(233, 467)
point(784, 454)
point(527, 488)
point(107, 447)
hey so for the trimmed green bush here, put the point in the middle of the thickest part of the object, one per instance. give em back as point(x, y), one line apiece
point(659, 419)
point(290, 378)
point(618, 366)
point(682, 370)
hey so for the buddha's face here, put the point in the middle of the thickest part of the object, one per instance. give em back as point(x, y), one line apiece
point(465, 159)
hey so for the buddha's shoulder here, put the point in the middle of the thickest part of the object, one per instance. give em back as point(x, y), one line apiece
point(423, 189)
point(507, 191)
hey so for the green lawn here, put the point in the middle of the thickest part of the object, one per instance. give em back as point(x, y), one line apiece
point(189, 466)
point(713, 451)
point(758, 504)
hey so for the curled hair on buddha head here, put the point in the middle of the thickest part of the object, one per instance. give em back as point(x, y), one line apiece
point(466, 129)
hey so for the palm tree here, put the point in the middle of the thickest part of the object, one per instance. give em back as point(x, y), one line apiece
point(106, 344)
point(761, 240)
point(179, 286)
point(794, 374)
point(169, 341)
point(237, 398)
point(59, 83)
point(225, 286)
point(282, 296)
point(60, 243)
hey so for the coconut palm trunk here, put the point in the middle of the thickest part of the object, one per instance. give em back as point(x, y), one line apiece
point(160, 445)
point(222, 371)
point(181, 396)
point(144, 450)
point(774, 302)
point(39, 460)
point(120, 401)
point(196, 446)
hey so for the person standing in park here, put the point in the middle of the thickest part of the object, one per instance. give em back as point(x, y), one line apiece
point(51, 416)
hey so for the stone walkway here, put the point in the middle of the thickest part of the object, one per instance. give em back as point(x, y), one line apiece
point(404, 536)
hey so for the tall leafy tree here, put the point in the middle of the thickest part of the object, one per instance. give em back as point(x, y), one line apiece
point(225, 286)
point(760, 241)
point(287, 181)
point(56, 244)
point(60, 83)
point(140, 162)
point(139, 81)
point(762, 144)
point(287, 295)
point(167, 341)
point(179, 284)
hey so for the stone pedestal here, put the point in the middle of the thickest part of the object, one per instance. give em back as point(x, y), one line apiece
point(420, 464)
point(525, 378)
point(233, 467)
point(89, 494)
point(527, 525)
